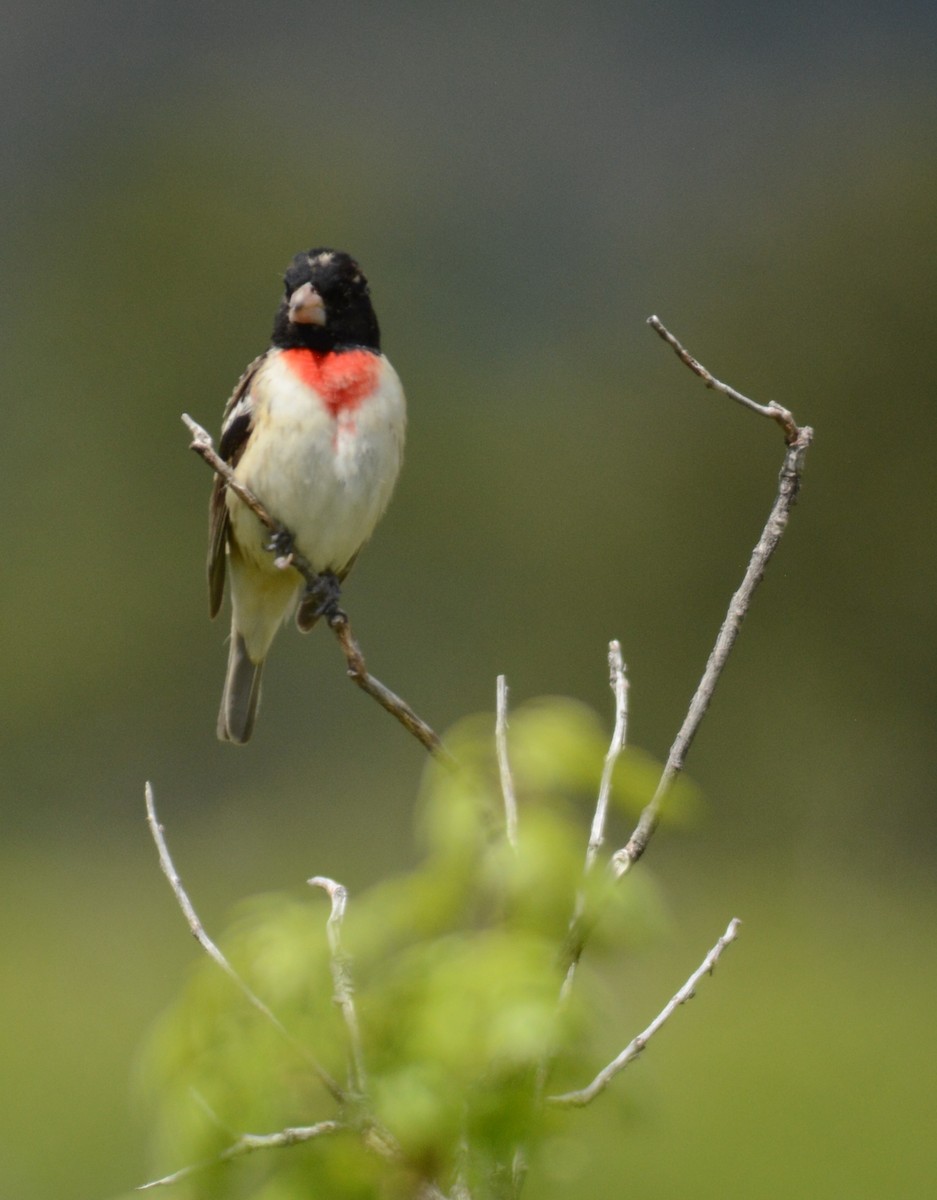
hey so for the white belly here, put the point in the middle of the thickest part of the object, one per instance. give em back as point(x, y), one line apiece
point(326, 478)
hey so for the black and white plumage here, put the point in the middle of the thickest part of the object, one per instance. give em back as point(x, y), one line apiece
point(315, 428)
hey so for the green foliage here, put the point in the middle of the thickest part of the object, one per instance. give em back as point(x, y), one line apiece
point(457, 969)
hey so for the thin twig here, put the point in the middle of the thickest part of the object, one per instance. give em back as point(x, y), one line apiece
point(427, 1190)
point(634, 1048)
point(579, 925)
point(459, 1189)
point(618, 681)
point(577, 933)
point(203, 445)
point(504, 764)
point(773, 410)
point(247, 1144)
point(216, 955)
point(341, 978)
point(519, 1168)
point(798, 439)
point(337, 620)
point(394, 704)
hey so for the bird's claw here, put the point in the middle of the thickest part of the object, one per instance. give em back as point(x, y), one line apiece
point(281, 543)
point(325, 592)
point(320, 599)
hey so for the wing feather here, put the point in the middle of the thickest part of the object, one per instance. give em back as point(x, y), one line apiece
point(236, 426)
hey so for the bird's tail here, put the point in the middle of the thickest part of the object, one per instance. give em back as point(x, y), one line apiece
point(241, 693)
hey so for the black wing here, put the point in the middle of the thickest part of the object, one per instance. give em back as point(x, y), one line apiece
point(236, 426)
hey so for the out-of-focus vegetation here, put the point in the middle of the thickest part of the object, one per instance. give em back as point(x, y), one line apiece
point(523, 189)
point(454, 971)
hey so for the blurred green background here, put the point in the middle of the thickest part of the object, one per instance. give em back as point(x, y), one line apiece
point(524, 185)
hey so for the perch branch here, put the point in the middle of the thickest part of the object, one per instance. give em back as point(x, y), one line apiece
point(204, 447)
point(216, 955)
point(337, 620)
point(394, 704)
point(247, 1144)
point(504, 764)
point(798, 439)
point(634, 1048)
point(341, 978)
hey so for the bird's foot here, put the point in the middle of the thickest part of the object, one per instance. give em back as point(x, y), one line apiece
point(320, 599)
point(282, 545)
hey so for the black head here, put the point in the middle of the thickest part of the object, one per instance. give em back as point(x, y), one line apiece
point(327, 305)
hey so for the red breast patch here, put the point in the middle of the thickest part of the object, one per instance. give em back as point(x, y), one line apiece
point(343, 379)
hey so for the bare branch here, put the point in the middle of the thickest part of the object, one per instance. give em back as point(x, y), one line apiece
point(341, 977)
point(337, 620)
point(426, 1190)
point(579, 926)
point(634, 1048)
point(798, 440)
point(216, 955)
point(247, 1144)
point(775, 411)
point(459, 1189)
point(203, 445)
point(576, 936)
point(618, 681)
point(504, 765)
point(397, 707)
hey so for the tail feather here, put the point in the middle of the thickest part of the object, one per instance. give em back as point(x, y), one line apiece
point(241, 693)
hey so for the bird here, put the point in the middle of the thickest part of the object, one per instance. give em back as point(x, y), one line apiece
point(315, 429)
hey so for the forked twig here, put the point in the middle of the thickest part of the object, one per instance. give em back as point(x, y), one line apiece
point(337, 620)
point(216, 955)
point(798, 439)
point(773, 410)
point(633, 1049)
point(578, 929)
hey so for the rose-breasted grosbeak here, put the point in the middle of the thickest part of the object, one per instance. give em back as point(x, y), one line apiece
point(315, 429)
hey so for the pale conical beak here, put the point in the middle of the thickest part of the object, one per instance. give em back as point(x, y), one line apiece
point(306, 307)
